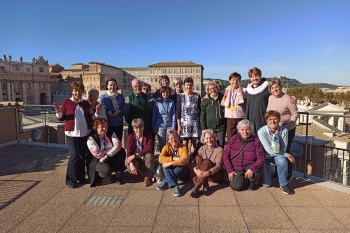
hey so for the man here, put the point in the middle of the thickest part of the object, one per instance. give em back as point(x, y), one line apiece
point(136, 105)
point(146, 88)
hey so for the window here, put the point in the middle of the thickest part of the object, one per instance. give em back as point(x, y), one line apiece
point(17, 69)
point(41, 69)
point(2, 67)
point(197, 88)
point(27, 70)
point(3, 86)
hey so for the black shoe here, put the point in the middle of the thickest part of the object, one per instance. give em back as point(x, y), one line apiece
point(71, 184)
point(274, 176)
point(118, 179)
point(194, 195)
point(286, 190)
point(252, 186)
point(206, 189)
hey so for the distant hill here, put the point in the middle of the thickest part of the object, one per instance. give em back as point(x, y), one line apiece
point(286, 82)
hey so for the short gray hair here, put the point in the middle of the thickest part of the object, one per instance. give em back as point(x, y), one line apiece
point(211, 83)
point(244, 123)
point(208, 131)
point(177, 80)
point(138, 122)
point(93, 90)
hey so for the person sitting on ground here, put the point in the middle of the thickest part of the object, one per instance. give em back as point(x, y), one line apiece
point(244, 157)
point(108, 154)
point(140, 156)
point(274, 138)
point(208, 163)
point(174, 159)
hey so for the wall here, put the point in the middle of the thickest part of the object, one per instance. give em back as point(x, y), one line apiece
point(8, 131)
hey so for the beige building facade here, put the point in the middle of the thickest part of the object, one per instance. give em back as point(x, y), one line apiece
point(27, 82)
point(141, 73)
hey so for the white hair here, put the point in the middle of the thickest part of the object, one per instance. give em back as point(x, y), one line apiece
point(211, 83)
point(244, 123)
point(208, 131)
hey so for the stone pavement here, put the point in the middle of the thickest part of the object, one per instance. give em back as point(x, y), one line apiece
point(34, 198)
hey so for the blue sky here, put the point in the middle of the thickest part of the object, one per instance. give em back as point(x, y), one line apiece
point(305, 40)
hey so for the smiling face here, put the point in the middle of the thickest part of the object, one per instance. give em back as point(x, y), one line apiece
point(137, 86)
point(234, 82)
point(188, 86)
point(213, 90)
point(77, 94)
point(92, 98)
point(255, 79)
point(146, 90)
point(275, 90)
point(112, 87)
point(164, 82)
point(102, 129)
point(209, 140)
point(173, 140)
point(165, 94)
point(273, 122)
point(178, 87)
point(245, 132)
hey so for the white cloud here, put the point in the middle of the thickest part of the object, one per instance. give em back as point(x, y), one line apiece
point(124, 52)
point(331, 47)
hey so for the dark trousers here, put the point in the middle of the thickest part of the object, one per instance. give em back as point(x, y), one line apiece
point(291, 134)
point(118, 130)
point(205, 165)
point(114, 163)
point(232, 126)
point(239, 181)
point(220, 138)
point(76, 163)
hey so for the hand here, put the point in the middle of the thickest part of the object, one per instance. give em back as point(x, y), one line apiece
point(230, 175)
point(57, 107)
point(179, 130)
point(180, 159)
point(99, 108)
point(104, 159)
point(206, 96)
point(133, 169)
point(168, 164)
point(196, 171)
point(249, 174)
point(130, 159)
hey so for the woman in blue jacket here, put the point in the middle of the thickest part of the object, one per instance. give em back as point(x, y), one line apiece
point(163, 118)
point(114, 104)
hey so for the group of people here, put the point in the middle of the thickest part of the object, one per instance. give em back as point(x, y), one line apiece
point(259, 122)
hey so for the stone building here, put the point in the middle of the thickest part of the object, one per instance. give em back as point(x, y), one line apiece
point(129, 74)
point(174, 70)
point(27, 82)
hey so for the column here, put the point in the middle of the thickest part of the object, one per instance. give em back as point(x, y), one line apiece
point(13, 95)
point(48, 93)
point(0, 91)
point(8, 85)
point(36, 93)
point(331, 121)
point(341, 125)
point(24, 92)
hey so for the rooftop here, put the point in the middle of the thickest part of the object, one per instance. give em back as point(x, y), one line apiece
point(34, 198)
point(175, 64)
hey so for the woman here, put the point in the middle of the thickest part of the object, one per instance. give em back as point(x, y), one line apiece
point(164, 81)
point(114, 103)
point(208, 163)
point(163, 117)
point(257, 99)
point(97, 110)
point(140, 152)
point(234, 101)
point(244, 157)
point(212, 113)
point(108, 154)
point(275, 139)
point(178, 89)
point(187, 114)
point(75, 112)
point(285, 105)
point(174, 159)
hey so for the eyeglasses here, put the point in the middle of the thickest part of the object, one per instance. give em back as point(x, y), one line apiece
point(273, 119)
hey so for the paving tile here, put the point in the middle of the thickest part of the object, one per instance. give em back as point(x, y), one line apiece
point(139, 185)
point(22, 228)
point(108, 192)
point(260, 197)
point(177, 229)
point(93, 216)
point(143, 197)
point(125, 186)
point(175, 216)
point(12, 190)
point(134, 216)
point(312, 218)
point(12, 159)
point(273, 231)
point(224, 230)
point(266, 217)
point(169, 199)
point(306, 184)
point(331, 198)
point(321, 231)
point(8, 176)
point(17, 211)
point(301, 197)
point(83, 229)
point(217, 217)
point(341, 214)
point(72, 196)
point(219, 198)
point(129, 229)
point(56, 162)
point(31, 162)
point(34, 176)
point(41, 195)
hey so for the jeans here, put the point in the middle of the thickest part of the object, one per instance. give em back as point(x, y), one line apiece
point(282, 166)
point(161, 134)
point(172, 173)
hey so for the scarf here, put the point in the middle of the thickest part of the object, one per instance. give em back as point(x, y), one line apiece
point(262, 86)
point(113, 96)
point(227, 99)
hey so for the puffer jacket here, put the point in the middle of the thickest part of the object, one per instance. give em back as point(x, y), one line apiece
point(212, 114)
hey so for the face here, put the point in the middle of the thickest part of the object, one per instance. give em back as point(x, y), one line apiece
point(138, 130)
point(136, 86)
point(77, 94)
point(209, 140)
point(165, 94)
point(245, 132)
point(178, 87)
point(112, 87)
point(164, 82)
point(92, 97)
point(234, 82)
point(173, 140)
point(188, 86)
point(102, 129)
point(273, 122)
point(275, 90)
point(146, 90)
point(213, 90)
point(255, 79)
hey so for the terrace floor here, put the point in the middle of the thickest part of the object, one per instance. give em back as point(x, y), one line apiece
point(34, 198)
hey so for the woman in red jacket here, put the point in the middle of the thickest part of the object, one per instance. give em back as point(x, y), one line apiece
point(75, 112)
